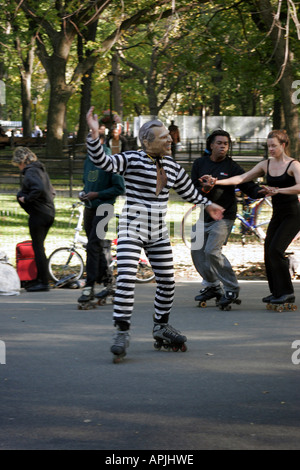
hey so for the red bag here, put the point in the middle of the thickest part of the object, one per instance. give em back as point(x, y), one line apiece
point(25, 261)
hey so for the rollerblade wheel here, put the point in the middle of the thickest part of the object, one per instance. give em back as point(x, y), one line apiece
point(202, 304)
point(175, 348)
point(157, 345)
point(183, 347)
point(118, 358)
point(293, 308)
point(101, 301)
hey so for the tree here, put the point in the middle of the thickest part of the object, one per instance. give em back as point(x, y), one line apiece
point(155, 64)
point(56, 28)
point(271, 21)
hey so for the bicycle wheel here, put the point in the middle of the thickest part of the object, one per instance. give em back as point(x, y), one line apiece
point(263, 213)
point(65, 262)
point(144, 271)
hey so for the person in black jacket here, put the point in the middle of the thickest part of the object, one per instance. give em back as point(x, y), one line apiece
point(36, 198)
point(219, 279)
point(100, 189)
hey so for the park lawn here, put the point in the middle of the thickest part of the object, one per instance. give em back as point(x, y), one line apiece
point(14, 223)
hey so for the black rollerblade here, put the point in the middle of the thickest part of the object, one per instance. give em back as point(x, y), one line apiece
point(209, 293)
point(167, 337)
point(227, 299)
point(285, 302)
point(120, 344)
point(106, 296)
point(87, 300)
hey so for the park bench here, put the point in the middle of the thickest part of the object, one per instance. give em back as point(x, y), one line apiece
point(22, 141)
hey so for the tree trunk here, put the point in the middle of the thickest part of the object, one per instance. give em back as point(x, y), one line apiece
point(116, 89)
point(216, 79)
point(86, 93)
point(26, 103)
point(285, 84)
point(85, 104)
point(59, 96)
point(277, 121)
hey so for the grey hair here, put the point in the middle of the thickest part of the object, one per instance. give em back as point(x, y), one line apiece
point(23, 155)
point(146, 131)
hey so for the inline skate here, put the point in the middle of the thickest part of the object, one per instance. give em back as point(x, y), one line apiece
point(120, 344)
point(168, 338)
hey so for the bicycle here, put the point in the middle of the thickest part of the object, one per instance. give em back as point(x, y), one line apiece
point(254, 219)
point(67, 262)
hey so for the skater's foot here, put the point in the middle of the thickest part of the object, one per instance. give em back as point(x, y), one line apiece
point(209, 293)
point(87, 295)
point(268, 299)
point(164, 331)
point(168, 338)
point(120, 344)
point(105, 292)
point(228, 298)
point(283, 299)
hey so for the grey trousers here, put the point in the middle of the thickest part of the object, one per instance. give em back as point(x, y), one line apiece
point(210, 262)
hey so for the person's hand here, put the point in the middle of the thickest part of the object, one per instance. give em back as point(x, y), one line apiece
point(92, 122)
point(269, 190)
point(91, 195)
point(208, 183)
point(215, 211)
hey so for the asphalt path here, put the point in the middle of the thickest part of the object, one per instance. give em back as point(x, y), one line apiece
point(236, 388)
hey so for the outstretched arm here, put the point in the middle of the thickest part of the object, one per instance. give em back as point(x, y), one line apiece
point(256, 172)
point(92, 122)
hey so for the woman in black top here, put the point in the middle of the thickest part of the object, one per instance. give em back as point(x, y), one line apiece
point(36, 198)
point(283, 184)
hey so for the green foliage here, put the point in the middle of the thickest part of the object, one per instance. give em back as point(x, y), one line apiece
point(198, 52)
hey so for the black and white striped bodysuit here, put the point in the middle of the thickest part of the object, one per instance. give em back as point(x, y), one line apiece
point(142, 224)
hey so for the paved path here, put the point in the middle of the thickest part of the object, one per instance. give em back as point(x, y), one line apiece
point(235, 388)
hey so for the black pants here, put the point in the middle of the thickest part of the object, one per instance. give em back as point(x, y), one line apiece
point(97, 268)
point(283, 227)
point(39, 225)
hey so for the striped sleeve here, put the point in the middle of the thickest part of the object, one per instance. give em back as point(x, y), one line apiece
point(111, 163)
point(186, 189)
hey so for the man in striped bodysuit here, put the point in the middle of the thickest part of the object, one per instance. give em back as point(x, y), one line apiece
point(142, 223)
